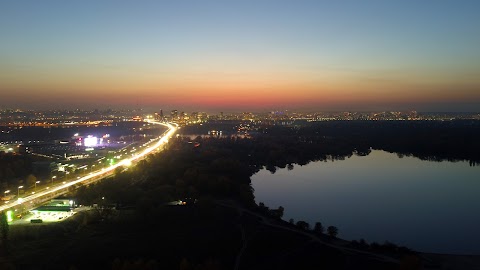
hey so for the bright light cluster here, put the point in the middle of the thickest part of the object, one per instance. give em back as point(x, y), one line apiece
point(90, 141)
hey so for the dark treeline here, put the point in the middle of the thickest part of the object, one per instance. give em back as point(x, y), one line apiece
point(14, 169)
point(214, 169)
point(428, 140)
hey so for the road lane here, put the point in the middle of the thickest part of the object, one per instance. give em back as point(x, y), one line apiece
point(93, 176)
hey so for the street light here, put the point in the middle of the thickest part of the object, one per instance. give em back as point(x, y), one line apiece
point(36, 182)
point(18, 191)
point(53, 177)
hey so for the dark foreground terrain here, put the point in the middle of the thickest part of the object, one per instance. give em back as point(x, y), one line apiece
point(222, 227)
point(207, 235)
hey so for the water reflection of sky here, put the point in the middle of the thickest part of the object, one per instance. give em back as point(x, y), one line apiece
point(424, 205)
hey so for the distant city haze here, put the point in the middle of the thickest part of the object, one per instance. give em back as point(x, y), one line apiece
point(241, 55)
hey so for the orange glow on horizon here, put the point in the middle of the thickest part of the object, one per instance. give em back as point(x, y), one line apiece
point(236, 90)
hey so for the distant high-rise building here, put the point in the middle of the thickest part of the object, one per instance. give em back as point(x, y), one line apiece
point(174, 114)
point(161, 114)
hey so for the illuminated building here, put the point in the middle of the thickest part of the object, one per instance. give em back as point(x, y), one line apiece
point(174, 114)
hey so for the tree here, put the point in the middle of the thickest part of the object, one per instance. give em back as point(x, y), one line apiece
point(277, 213)
point(332, 231)
point(263, 208)
point(271, 168)
point(303, 225)
point(4, 227)
point(319, 227)
point(363, 244)
point(280, 211)
point(30, 181)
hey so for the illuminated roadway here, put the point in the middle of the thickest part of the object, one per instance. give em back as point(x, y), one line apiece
point(42, 196)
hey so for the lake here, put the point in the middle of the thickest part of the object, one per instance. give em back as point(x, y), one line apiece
point(424, 205)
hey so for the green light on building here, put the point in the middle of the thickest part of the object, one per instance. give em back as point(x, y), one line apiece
point(9, 216)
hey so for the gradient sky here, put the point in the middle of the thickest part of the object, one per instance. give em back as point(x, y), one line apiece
point(241, 55)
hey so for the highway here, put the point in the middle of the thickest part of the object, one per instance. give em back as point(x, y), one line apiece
point(31, 201)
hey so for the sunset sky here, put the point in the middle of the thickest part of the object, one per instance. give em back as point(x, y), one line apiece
point(241, 55)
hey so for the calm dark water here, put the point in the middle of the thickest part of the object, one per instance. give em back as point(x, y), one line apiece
point(424, 205)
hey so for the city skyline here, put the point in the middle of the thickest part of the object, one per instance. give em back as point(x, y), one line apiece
point(241, 56)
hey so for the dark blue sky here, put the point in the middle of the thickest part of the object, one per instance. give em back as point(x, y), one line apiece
point(241, 54)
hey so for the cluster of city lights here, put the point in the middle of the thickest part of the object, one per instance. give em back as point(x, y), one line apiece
point(125, 162)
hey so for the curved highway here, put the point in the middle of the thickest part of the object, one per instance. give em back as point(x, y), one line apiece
point(41, 196)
